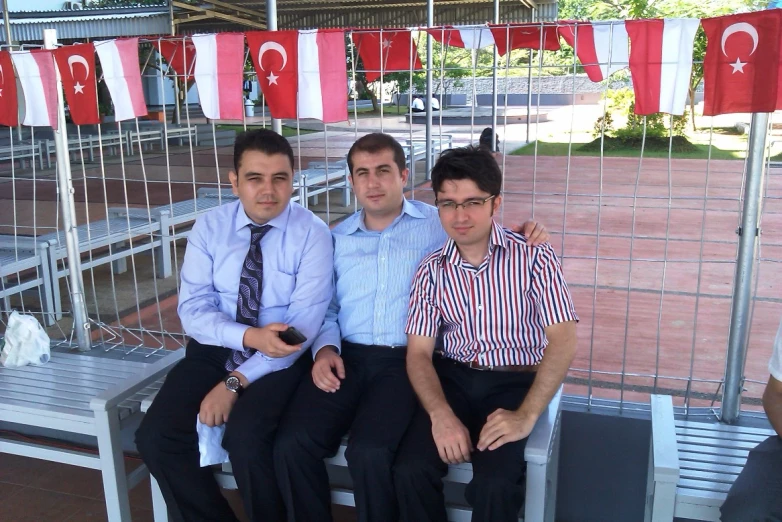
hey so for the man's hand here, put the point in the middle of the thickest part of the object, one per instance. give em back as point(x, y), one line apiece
point(535, 233)
point(327, 362)
point(451, 437)
point(217, 405)
point(267, 340)
point(505, 426)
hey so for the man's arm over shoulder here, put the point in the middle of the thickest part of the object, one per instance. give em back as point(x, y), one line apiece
point(308, 303)
point(198, 300)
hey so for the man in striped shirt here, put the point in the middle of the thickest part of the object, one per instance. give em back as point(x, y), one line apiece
point(508, 331)
point(359, 383)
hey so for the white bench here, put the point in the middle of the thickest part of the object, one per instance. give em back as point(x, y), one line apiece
point(88, 142)
point(541, 455)
point(92, 393)
point(21, 152)
point(438, 145)
point(692, 464)
point(28, 261)
point(117, 235)
point(142, 136)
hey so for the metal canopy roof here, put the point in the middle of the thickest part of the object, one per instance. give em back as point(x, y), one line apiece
point(223, 15)
point(83, 24)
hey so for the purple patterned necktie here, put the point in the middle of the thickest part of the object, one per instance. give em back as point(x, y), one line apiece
point(248, 303)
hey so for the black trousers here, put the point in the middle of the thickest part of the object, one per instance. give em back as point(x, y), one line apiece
point(756, 496)
point(375, 402)
point(496, 490)
point(168, 442)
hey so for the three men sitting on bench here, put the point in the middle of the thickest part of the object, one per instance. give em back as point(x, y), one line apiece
point(358, 380)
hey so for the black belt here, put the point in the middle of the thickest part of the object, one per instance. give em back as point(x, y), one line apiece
point(473, 365)
point(357, 346)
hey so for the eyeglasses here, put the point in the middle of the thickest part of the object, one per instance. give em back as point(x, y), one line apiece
point(468, 206)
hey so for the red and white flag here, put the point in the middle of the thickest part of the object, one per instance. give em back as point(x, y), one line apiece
point(122, 74)
point(661, 63)
point(180, 55)
point(741, 69)
point(302, 73)
point(77, 71)
point(9, 103)
point(36, 73)
point(601, 48)
point(396, 49)
point(219, 71)
point(466, 36)
point(525, 36)
point(275, 56)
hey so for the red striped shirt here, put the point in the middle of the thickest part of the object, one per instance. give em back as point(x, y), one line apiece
point(494, 314)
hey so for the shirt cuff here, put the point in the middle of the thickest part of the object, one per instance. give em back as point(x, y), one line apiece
point(321, 343)
point(233, 335)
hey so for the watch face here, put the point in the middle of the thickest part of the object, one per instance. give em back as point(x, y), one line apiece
point(233, 384)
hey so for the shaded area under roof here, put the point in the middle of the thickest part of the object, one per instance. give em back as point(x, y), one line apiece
point(227, 15)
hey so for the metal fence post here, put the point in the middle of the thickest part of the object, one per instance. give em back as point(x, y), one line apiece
point(429, 57)
point(742, 282)
point(494, 82)
point(271, 25)
point(80, 321)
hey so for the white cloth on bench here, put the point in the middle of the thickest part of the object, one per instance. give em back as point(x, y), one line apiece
point(26, 342)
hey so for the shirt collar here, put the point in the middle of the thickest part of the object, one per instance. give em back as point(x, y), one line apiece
point(281, 221)
point(497, 238)
point(407, 208)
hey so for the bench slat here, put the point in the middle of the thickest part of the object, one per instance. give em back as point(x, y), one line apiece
point(717, 443)
point(709, 450)
point(713, 426)
point(704, 485)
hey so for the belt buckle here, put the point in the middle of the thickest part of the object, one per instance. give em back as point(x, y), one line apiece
point(481, 367)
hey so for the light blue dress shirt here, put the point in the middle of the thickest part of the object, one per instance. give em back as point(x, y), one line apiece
point(297, 279)
point(373, 272)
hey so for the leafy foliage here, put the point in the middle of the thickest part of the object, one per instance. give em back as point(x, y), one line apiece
point(621, 102)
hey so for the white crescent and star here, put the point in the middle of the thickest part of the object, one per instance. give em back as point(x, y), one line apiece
point(740, 27)
point(272, 46)
point(2, 80)
point(78, 88)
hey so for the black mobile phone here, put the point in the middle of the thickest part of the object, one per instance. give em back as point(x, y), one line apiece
point(292, 336)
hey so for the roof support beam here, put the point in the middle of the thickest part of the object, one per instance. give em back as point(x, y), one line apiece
point(216, 14)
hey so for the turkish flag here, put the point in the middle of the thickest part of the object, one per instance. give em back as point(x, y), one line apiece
point(398, 51)
point(9, 103)
point(180, 56)
point(741, 71)
point(524, 36)
point(275, 56)
point(77, 70)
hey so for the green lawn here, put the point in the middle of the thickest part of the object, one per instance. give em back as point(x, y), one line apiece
point(724, 144)
point(286, 131)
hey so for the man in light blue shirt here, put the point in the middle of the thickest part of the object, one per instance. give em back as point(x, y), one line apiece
point(359, 382)
point(252, 268)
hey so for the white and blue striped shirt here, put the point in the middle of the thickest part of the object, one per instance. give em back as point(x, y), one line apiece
point(373, 272)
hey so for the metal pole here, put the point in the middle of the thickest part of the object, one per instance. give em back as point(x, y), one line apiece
point(177, 110)
point(9, 41)
point(429, 58)
point(494, 82)
point(529, 83)
point(80, 320)
point(742, 282)
point(271, 25)
point(7, 23)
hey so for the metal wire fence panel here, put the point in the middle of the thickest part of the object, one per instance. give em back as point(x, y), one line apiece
point(646, 231)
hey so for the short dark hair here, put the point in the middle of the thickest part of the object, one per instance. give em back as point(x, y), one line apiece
point(261, 140)
point(376, 142)
point(474, 163)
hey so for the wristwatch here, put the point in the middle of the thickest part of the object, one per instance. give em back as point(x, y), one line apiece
point(232, 383)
